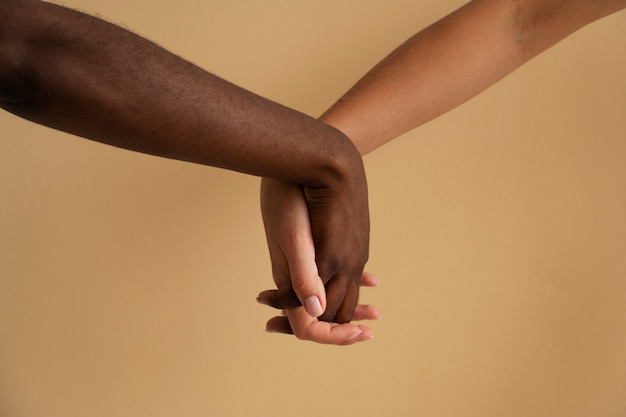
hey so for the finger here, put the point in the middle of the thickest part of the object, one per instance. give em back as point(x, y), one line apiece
point(306, 328)
point(284, 297)
point(350, 300)
point(279, 324)
point(369, 280)
point(299, 252)
point(366, 312)
point(343, 296)
point(347, 310)
point(323, 332)
point(307, 286)
point(305, 281)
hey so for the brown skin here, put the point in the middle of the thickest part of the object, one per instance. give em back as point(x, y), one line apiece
point(79, 74)
point(290, 269)
point(436, 70)
point(453, 60)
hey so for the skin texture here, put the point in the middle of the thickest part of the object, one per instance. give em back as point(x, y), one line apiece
point(79, 74)
point(452, 61)
point(431, 73)
point(291, 268)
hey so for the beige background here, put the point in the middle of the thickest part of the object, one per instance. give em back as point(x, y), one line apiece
point(499, 230)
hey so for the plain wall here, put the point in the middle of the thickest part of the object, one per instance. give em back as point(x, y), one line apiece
point(128, 282)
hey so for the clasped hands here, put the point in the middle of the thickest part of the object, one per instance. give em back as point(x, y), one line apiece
point(318, 240)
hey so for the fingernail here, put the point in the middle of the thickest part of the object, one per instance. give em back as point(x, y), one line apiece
point(355, 335)
point(313, 306)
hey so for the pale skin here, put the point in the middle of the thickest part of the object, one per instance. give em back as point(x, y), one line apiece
point(433, 72)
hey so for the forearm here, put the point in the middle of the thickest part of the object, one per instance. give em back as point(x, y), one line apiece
point(453, 60)
point(82, 75)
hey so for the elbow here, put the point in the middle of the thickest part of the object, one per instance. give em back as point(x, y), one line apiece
point(539, 24)
point(525, 21)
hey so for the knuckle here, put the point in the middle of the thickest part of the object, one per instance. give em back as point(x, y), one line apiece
point(329, 265)
point(302, 284)
point(333, 262)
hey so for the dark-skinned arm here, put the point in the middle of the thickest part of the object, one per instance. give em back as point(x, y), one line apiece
point(77, 73)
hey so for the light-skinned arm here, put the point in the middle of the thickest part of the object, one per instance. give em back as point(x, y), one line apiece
point(453, 60)
point(77, 73)
point(434, 71)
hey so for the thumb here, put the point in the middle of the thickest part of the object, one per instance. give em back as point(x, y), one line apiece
point(305, 279)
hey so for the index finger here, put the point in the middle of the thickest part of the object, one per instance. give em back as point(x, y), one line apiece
point(307, 328)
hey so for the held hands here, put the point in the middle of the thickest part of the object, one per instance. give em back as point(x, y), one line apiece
point(316, 238)
point(297, 321)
